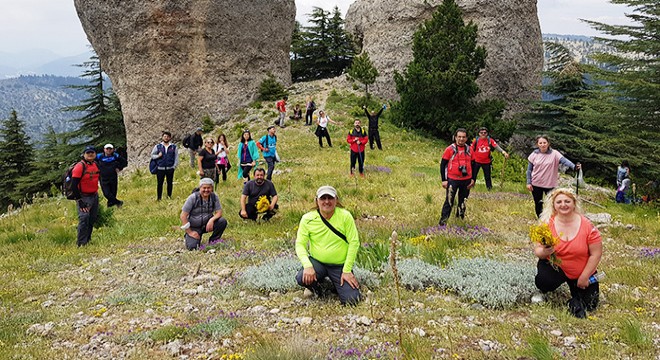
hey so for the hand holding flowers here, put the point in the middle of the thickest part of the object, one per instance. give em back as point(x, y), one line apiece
point(541, 234)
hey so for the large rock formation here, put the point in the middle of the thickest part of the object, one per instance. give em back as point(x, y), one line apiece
point(173, 61)
point(509, 29)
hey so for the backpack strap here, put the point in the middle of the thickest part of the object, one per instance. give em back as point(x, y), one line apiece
point(332, 228)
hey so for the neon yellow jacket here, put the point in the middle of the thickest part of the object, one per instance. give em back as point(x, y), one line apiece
point(324, 245)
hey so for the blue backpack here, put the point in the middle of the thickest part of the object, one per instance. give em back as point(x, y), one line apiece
point(153, 164)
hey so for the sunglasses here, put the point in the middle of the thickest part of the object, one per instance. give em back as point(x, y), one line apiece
point(209, 142)
point(326, 197)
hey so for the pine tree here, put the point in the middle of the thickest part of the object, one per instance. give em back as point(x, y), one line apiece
point(363, 70)
point(438, 87)
point(633, 83)
point(16, 153)
point(102, 121)
point(323, 49)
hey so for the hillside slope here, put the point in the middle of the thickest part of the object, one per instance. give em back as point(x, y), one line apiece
point(135, 293)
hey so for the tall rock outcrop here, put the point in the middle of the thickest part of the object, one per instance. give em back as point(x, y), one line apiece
point(173, 61)
point(509, 29)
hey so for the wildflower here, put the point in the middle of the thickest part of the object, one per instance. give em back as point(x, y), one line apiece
point(262, 204)
point(541, 234)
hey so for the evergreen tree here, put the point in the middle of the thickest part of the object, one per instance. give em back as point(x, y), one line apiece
point(16, 153)
point(572, 118)
point(633, 83)
point(438, 87)
point(323, 49)
point(363, 70)
point(102, 121)
point(271, 89)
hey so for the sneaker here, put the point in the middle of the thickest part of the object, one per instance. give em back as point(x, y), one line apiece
point(120, 204)
point(361, 175)
point(538, 298)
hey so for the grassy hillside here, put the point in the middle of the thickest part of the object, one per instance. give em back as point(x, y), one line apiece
point(135, 293)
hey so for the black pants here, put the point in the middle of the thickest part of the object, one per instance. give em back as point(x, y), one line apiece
point(270, 160)
point(87, 219)
point(222, 169)
point(219, 227)
point(454, 187)
point(246, 172)
point(374, 135)
point(487, 168)
point(308, 117)
point(347, 295)
point(359, 157)
point(109, 187)
point(548, 279)
point(160, 176)
point(323, 133)
point(252, 214)
point(539, 193)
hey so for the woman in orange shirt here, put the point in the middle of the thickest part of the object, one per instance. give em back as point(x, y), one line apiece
point(580, 249)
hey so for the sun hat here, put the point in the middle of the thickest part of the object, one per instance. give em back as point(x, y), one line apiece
point(326, 190)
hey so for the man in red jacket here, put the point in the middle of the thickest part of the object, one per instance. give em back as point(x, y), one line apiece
point(456, 173)
point(85, 184)
point(357, 138)
point(481, 149)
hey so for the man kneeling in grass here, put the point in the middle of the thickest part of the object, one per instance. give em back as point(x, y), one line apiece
point(327, 245)
point(202, 213)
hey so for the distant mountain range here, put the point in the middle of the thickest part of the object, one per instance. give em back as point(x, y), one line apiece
point(38, 100)
point(40, 62)
point(33, 83)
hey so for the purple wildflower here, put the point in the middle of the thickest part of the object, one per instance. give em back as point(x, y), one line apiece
point(650, 253)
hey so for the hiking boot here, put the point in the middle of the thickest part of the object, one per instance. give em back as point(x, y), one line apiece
point(361, 175)
point(120, 204)
point(576, 308)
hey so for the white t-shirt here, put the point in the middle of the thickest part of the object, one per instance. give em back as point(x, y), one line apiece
point(323, 122)
point(220, 150)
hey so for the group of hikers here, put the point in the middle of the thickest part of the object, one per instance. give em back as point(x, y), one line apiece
point(327, 241)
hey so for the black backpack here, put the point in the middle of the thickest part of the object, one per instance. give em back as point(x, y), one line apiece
point(186, 141)
point(67, 181)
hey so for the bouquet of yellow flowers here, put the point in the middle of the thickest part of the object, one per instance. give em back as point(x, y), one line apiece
point(541, 234)
point(262, 204)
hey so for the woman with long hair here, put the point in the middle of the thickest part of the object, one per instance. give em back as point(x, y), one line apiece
point(248, 155)
point(222, 160)
point(578, 251)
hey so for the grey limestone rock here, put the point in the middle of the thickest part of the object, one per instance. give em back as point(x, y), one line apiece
point(173, 62)
point(509, 29)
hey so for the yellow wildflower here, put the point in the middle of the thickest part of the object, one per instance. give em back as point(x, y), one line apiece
point(262, 204)
point(541, 234)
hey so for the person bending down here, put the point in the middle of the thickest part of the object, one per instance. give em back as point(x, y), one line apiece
point(202, 213)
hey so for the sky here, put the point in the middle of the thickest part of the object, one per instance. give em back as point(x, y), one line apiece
point(54, 24)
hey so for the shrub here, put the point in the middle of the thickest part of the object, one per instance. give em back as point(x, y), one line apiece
point(279, 275)
point(492, 283)
point(273, 275)
point(270, 89)
point(207, 124)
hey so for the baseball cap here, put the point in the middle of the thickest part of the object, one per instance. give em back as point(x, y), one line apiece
point(199, 129)
point(89, 148)
point(206, 181)
point(326, 190)
point(108, 146)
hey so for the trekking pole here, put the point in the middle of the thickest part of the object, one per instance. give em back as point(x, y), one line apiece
point(502, 174)
point(577, 187)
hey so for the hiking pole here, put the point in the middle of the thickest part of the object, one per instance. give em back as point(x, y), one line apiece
point(577, 187)
point(502, 174)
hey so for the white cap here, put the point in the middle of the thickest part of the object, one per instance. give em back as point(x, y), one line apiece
point(206, 181)
point(108, 146)
point(326, 190)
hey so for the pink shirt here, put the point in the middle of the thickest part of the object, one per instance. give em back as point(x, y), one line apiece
point(545, 173)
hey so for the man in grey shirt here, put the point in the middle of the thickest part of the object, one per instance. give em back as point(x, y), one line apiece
point(202, 213)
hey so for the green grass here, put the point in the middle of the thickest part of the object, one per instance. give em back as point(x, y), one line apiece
point(136, 267)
